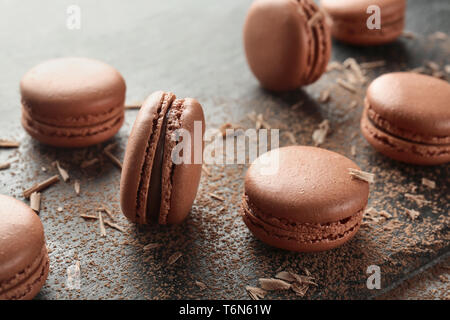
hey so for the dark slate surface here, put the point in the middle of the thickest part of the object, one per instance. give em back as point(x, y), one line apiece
point(195, 49)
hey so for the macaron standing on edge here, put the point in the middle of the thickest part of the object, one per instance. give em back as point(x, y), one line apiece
point(153, 189)
point(311, 203)
point(350, 20)
point(287, 43)
point(72, 102)
point(407, 118)
point(24, 262)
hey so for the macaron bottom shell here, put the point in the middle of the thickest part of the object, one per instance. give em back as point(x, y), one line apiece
point(401, 149)
point(71, 137)
point(300, 237)
point(27, 284)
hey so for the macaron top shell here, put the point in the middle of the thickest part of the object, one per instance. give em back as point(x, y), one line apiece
point(311, 185)
point(357, 9)
point(21, 237)
point(73, 92)
point(275, 39)
point(412, 102)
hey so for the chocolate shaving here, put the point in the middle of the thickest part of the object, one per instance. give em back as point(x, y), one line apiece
point(88, 163)
point(297, 105)
point(439, 35)
point(133, 105)
point(318, 16)
point(418, 198)
point(215, 196)
point(274, 284)
point(113, 158)
point(87, 216)
point(353, 151)
point(255, 293)
point(362, 175)
point(321, 133)
point(408, 35)
point(261, 123)
point(9, 144)
point(300, 289)
point(429, 183)
point(35, 201)
point(4, 166)
point(334, 65)
point(324, 96)
point(101, 225)
point(413, 214)
point(373, 64)
point(174, 258)
point(107, 211)
point(201, 285)
point(291, 137)
point(447, 68)
point(77, 187)
point(433, 66)
point(353, 104)
point(40, 186)
point(286, 276)
point(223, 128)
point(114, 226)
point(206, 170)
point(344, 84)
point(152, 246)
point(64, 174)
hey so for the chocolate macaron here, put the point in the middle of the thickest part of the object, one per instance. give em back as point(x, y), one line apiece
point(287, 43)
point(24, 262)
point(72, 102)
point(407, 118)
point(154, 188)
point(351, 20)
point(311, 203)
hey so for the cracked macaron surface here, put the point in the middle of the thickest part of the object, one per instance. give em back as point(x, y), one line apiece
point(407, 118)
point(24, 262)
point(287, 43)
point(72, 102)
point(153, 188)
point(311, 203)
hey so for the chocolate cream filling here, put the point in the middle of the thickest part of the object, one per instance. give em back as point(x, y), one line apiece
point(155, 187)
point(386, 126)
point(301, 232)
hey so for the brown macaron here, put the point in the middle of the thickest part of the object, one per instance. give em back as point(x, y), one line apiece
point(72, 102)
point(407, 118)
point(350, 20)
point(287, 43)
point(24, 262)
point(311, 203)
point(153, 188)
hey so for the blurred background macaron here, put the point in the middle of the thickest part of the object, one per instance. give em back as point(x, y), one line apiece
point(72, 102)
point(311, 203)
point(287, 43)
point(407, 118)
point(350, 19)
point(24, 262)
point(153, 187)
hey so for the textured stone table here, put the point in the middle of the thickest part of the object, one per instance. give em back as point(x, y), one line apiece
point(195, 49)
